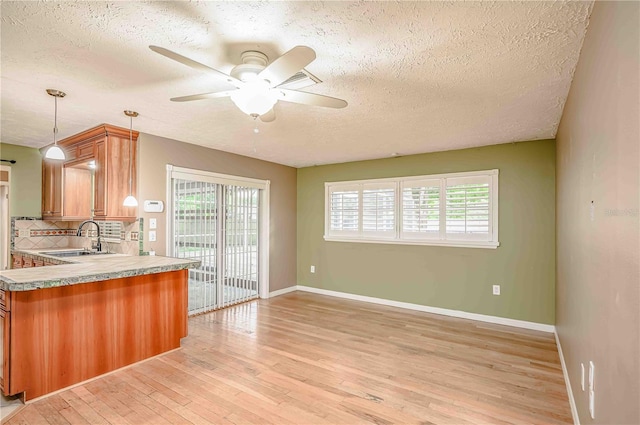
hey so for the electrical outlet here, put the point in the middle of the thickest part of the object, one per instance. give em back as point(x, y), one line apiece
point(313, 269)
point(152, 235)
point(23, 233)
point(496, 289)
point(153, 223)
point(582, 375)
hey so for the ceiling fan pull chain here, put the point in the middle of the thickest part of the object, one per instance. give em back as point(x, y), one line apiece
point(256, 130)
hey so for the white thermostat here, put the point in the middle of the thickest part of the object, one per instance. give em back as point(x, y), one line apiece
point(153, 206)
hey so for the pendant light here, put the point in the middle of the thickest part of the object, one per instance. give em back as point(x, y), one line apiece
point(130, 201)
point(54, 152)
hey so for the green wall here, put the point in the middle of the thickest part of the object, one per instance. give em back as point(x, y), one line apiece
point(445, 277)
point(25, 193)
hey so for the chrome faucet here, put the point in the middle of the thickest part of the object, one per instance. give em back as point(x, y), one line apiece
point(98, 245)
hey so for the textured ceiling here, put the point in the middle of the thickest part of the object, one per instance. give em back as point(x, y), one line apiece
point(418, 76)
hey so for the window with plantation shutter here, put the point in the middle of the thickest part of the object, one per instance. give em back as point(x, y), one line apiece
point(344, 211)
point(421, 209)
point(379, 210)
point(467, 209)
point(457, 209)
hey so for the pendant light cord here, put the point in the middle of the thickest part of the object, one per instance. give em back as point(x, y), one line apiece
point(55, 121)
point(130, 155)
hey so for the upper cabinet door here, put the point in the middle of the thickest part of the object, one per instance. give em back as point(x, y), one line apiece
point(77, 193)
point(119, 162)
point(51, 189)
point(100, 180)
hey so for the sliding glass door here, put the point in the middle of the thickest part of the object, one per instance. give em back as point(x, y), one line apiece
point(218, 224)
point(196, 237)
point(240, 260)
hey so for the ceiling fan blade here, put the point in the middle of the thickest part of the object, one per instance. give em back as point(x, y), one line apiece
point(287, 65)
point(310, 98)
point(196, 65)
point(268, 116)
point(201, 96)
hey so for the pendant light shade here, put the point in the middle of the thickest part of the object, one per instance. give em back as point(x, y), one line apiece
point(130, 201)
point(54, 152)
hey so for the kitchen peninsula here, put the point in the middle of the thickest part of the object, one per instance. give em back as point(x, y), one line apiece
point(84, 317)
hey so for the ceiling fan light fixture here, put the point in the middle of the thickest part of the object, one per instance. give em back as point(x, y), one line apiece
point(259, 86)
point(255, 97)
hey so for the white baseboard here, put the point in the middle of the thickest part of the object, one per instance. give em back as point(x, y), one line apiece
point(436, 310)
point(572, 401)
point(283, 291)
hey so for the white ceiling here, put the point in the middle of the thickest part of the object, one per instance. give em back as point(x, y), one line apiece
point(418, 76)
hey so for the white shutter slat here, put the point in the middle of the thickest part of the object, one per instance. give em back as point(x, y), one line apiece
point(467, 208)
point(379, 210)
point(344, 211)
point(421, 209)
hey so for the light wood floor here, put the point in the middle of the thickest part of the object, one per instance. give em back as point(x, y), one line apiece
point(305, 359)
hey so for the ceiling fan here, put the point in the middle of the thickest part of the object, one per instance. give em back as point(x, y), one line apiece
point(256, 81)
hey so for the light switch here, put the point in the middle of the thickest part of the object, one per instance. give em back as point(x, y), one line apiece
point(153, 223)
point(152, 235)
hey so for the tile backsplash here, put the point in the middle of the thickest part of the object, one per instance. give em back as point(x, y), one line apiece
point(33, 233)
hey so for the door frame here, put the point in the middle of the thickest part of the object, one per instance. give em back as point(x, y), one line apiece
point(5, 226)
point(228, 179)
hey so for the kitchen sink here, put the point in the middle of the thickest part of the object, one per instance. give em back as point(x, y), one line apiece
point(74, 253)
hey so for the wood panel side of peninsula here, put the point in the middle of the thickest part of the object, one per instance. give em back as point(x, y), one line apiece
point(65, 335)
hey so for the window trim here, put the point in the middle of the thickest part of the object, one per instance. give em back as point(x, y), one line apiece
point(400, 238)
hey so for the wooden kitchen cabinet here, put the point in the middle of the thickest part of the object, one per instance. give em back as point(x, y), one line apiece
point(17, 261)
point(20, 262)
point(112, 176)
point(77, 193)
point(99, 191)
point(66, 191)
point(51, 189)
point(73, 191)
point(64, 335)
point(5, 317)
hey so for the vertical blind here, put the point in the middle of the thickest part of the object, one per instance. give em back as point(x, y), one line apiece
point(241, 244)
point(195, 236)
point(218, 225)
